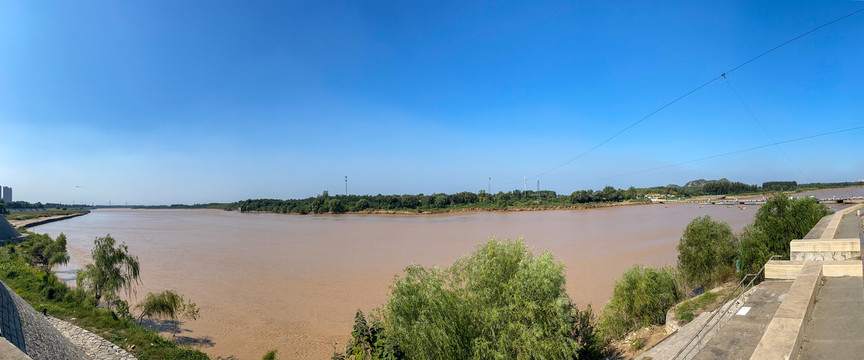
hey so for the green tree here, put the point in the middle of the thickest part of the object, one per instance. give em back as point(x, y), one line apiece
point(44, 253)
point(753, 250)
point(641, 298)
point(441, 201)
point(167, 304)
point(783, 219)
point(499, 302)
point(114, 269)
point(334, 206)
point(707, 250)
point(361, 204)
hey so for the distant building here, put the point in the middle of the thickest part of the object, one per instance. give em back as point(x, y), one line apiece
point(7, 194)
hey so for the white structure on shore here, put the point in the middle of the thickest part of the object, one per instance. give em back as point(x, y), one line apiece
point(6, 194)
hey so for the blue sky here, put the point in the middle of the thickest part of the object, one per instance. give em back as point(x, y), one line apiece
point(186, 102)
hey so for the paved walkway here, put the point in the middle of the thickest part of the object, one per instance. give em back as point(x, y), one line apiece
point(849, 227)
point(836, 329)
point(741, 334)
point(670, 346)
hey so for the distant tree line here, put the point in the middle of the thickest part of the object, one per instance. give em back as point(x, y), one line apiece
point(780, 185)
point(24, 205)
point(817, 186)
point(325, 203)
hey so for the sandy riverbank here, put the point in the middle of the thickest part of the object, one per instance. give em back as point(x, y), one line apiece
point(42, 220)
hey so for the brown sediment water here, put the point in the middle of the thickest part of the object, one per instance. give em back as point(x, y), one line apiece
point(293, 283)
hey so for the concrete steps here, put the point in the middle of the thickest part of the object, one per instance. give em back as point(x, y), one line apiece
point(825, 249)
point(789, 269)
point(782, 338)
point(840, 257)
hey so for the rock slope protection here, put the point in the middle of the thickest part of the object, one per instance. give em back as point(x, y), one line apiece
point(29, 331)
point(95, 346)
point(7, 231)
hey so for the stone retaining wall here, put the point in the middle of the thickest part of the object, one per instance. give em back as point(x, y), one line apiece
point(28, 330)
point(95, 346)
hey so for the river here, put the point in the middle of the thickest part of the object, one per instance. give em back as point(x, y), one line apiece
point(293, 283)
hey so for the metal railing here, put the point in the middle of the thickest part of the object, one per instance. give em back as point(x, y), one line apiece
point(728, 305)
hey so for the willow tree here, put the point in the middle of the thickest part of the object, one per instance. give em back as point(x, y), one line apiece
point(499, 302)
point(113, 270)
point(707, 250)
point(43, 252)
point(167, 304)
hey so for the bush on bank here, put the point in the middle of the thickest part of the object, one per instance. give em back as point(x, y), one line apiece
point(706, 252)
point(500, 302)
point(641, 298)
point(783, 219)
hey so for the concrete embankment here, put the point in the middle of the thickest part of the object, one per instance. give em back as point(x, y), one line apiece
point(28, 331)
point(808, 307)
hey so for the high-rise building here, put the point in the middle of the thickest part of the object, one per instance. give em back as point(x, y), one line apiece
point(7, 194)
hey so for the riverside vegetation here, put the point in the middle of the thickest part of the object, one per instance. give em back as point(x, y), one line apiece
point(503, 302)
point(95, 304)
point(516, 199)
point(499, 301)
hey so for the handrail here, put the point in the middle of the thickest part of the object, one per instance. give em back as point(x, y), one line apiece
point(720, 310)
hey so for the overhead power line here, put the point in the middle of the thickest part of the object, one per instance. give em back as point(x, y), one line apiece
point(776, 143)
point(768, 133)
point(688, 93)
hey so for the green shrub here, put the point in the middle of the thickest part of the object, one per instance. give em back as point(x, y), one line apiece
point(687, 309)
point(500, 302)
point(707, 250)
point(637, 344)
point(783, 219)
point(777, 223)
point(753, 250)
point(270, 355)
point(641, 298)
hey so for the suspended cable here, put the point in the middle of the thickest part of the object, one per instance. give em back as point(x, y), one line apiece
point(770, 137)
point(735, 152)
point(577, 157)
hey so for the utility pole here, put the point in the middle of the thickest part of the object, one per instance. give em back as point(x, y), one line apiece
point(490, 185)
point(346, 185)
point(524, 183)
point(538, 190)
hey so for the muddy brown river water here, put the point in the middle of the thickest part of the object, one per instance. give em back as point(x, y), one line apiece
point(293, 283)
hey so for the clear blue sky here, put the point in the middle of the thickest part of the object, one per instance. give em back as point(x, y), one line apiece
point(186, 102)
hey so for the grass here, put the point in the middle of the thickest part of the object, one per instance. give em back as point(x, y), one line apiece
point(42, 290)
point(27, 215)
point(637, 344)
point(690, 308)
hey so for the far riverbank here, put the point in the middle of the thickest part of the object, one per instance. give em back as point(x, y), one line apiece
point(26, 223)
point(556, 204)
point(468, 210)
